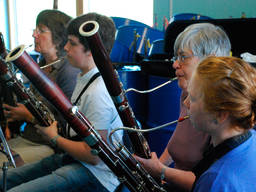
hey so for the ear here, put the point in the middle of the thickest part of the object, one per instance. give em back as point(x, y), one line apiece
point(222, 116)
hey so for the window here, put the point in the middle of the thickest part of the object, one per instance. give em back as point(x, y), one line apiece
point(23, 18)
point(139, 10)
point(4, 22)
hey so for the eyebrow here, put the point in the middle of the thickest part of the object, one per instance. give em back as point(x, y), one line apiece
point(69, 39)
point(44, 27)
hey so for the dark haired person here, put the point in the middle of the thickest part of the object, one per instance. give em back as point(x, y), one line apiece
point(78, 169)
point(50, 36)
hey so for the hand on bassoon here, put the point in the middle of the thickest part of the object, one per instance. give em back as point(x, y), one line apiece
point(48, 132)
point(17, 113)
point(153, 165)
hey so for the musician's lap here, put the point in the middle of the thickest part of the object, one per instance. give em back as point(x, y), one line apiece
point(29, 151)
point(58, 172)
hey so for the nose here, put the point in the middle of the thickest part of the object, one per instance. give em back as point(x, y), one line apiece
point(34, 34)
point(187, 102)
point(176, 64)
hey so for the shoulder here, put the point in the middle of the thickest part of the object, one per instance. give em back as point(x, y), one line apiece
point(67, 69)
point(98, 86)
point(66, 72)
point(99, 96)
point(236, 171)
point(205, 182)
point(215, 182)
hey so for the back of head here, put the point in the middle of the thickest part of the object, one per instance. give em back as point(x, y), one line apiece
point(203, 39)
point(106, 29)
point(56, 21)
point(228, 84)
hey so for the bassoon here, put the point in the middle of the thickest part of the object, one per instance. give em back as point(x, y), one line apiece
point(6, 96)
point(127, 169)
point(3, 51)
point(40, 111)
point(89, 30)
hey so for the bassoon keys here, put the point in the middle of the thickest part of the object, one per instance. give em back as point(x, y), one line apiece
point(40, 111)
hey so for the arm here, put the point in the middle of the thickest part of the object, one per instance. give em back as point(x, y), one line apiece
point(180, 178)
point(165, 158)
point(77, 149)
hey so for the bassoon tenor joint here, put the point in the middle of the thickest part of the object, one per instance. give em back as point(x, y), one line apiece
point(89, 29)
point(144, 182)
point(118, 99)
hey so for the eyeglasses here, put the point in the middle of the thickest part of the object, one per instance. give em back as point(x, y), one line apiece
point(181, 58)
point(39, 31)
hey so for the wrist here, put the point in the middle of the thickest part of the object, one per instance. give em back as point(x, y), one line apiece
point(53, 141)
point(162, 174)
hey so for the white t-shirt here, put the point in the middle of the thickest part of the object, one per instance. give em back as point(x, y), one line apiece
point(98, 107)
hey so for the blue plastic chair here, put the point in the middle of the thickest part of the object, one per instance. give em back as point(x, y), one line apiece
point(189, 16)
point(156, 51)
point(121, 21)
point(131, 40)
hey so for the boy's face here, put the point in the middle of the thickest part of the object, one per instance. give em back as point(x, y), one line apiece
point(75, 52)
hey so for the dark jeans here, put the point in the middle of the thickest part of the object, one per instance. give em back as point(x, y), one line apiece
point(58, 172)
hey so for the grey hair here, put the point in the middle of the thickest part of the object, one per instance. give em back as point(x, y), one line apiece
point(203, 39)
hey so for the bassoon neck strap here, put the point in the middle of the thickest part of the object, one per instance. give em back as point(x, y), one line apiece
point(95, 76)
point(86, 86)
